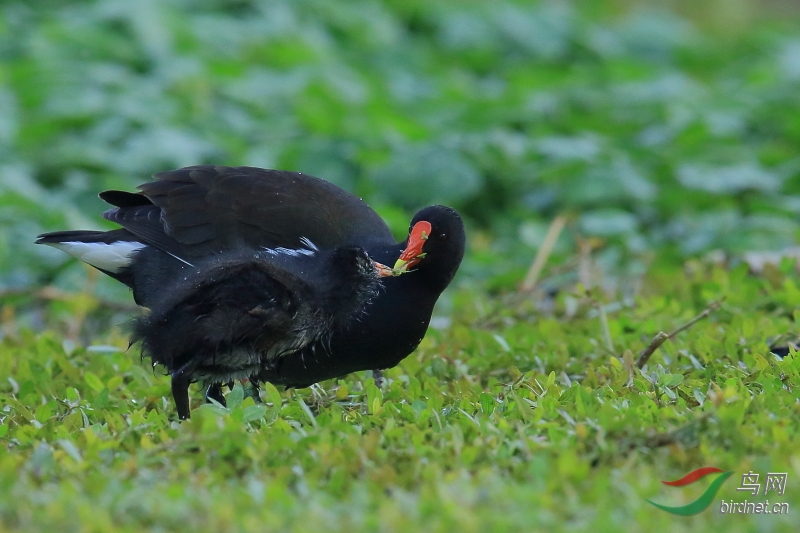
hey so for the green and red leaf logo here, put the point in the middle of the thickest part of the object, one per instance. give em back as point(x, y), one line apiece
point(705, 499)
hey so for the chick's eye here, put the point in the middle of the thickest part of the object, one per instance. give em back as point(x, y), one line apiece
point(443, 236)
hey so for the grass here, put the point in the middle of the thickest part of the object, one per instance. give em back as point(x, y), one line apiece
point(508, 419)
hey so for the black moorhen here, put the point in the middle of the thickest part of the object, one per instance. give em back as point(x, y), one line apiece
point(396, 321)
point(194, 221)
point(237, 311)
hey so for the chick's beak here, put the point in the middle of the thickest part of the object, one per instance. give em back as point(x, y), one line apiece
point(384, 271)
point(413, 253)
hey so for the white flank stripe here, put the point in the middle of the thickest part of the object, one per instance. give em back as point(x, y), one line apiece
point(111, 257)
point(309, 250)
point(308, 244)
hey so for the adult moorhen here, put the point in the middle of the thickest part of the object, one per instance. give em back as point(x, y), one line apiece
point(396, 321)
point(194, 227)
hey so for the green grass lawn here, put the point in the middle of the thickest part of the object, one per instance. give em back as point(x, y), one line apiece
point(508, 418)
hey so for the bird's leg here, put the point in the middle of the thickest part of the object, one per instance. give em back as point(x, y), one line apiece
point(180, 391)
point(251, 389)
point(377, 375)
point(214, 392)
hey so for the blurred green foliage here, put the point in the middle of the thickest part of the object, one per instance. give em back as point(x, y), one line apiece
point(653, 132)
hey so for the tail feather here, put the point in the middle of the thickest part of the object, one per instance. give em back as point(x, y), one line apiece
point(109, 251)
point(125, 199)
point(77, 236)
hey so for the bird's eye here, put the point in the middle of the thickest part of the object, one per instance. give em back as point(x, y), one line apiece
point(443, 236)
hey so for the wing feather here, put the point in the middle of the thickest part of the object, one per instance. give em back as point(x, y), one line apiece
point(261, 208)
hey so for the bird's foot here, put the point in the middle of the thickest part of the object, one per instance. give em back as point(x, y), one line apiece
point(214, 392)
point(181, 379)
point(251, 390)
point(377, 376)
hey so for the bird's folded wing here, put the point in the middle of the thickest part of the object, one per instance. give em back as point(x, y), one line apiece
point(208, 209)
